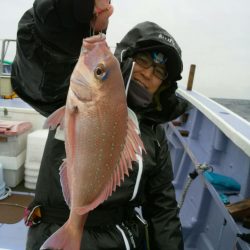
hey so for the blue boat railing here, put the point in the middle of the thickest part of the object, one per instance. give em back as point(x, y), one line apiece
point(210, 137)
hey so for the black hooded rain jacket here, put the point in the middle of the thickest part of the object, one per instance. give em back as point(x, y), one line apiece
point(48, 43)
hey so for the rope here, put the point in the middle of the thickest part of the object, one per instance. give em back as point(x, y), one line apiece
point(200, 168)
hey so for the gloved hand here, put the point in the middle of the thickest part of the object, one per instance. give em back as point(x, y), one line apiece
point(102, 11)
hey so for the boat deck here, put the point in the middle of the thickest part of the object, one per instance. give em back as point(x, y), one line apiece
point(13, 236)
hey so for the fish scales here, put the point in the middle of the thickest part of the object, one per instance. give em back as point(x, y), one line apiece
point(100, 138)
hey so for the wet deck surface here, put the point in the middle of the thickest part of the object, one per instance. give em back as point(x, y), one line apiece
point(240, 107)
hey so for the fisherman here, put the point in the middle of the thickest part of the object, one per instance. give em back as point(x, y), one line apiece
point(142, 213)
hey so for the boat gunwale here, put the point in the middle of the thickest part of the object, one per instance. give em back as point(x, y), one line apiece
point(207, 106)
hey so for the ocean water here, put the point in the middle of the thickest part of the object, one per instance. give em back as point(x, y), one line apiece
point(240, 107)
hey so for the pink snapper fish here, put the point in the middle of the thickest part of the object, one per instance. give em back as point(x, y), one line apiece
point(101, 139)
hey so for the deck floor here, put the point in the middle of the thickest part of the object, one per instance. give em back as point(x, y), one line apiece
point(13, 236)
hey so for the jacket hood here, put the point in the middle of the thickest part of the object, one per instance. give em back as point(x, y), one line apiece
point(149, 36)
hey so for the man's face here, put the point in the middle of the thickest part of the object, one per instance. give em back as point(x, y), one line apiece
point(148, 73)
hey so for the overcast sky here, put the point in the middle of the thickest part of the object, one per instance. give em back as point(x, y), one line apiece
point(214, 35)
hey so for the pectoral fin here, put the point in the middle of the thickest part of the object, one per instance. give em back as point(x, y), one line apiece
point(55, 119)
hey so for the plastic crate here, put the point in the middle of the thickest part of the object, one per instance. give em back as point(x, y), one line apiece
point(13, 169)
point(13, 137)
point(35, 147)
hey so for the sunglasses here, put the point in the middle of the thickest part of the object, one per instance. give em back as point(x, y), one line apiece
point(146, 61)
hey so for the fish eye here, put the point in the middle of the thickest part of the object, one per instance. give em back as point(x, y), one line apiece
point(100, 72)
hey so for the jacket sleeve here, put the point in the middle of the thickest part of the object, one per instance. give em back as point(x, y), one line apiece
point(80, 10)
point(161, 209)
point(49, 39)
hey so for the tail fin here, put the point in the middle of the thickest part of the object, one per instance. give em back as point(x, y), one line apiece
point(64, 238)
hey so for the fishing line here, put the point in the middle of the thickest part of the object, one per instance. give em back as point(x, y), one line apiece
point(8, 193)
point(129, 78)
point(12, 204)
point(123, 51)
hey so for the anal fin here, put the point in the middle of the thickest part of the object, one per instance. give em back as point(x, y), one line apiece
point(64, 182)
